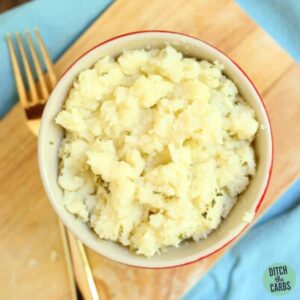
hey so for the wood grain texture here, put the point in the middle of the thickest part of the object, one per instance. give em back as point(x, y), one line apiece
point(8, 4)
point(28, 227)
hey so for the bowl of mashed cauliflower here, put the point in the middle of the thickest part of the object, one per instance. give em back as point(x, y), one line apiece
point(155, 149)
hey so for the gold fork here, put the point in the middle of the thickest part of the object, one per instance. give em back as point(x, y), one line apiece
point(33, 104)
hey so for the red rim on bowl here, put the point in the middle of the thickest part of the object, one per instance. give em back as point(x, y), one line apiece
point(265, 110)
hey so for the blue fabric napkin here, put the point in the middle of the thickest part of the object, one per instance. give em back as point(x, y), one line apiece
point(60, 23)
point(275, 238)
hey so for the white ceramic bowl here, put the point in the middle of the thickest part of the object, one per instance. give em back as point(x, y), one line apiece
point(188, 252)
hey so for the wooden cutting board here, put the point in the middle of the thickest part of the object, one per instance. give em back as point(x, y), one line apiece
point(31, 258)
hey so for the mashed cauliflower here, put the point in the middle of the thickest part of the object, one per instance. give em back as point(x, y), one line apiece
point(157, 148)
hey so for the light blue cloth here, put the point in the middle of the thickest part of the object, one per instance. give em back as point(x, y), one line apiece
point(275, 238)
point(60, 23)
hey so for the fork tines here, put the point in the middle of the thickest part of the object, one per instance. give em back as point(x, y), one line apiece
point(37, 96)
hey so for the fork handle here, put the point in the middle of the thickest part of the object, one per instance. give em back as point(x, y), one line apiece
point(82, 269)
point(74, 289)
